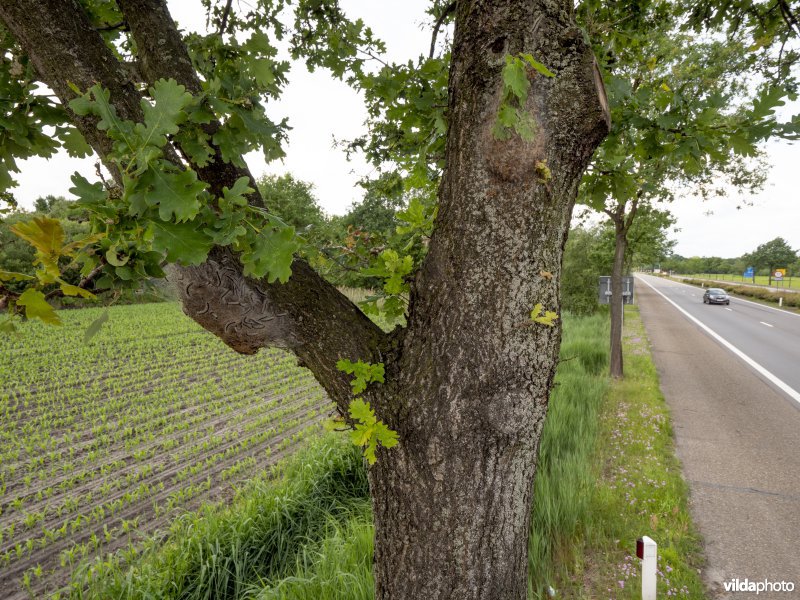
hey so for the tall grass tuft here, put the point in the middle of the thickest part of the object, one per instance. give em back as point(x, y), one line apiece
point(339, 568)
point(217, 555)
point(565, 477)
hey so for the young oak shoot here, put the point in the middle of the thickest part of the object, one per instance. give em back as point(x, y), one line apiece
point(367, 431)
point(511, 115)
point(547, 318)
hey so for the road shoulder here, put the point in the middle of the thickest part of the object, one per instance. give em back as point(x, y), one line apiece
point(737, 439)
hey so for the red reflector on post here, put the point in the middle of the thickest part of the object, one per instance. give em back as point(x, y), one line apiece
point(640, 548)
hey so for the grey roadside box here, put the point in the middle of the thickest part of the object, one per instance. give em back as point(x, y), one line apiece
point(604, 290)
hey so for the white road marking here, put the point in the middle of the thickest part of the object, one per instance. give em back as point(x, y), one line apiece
point(782, 311)
point(767, 324)
point(783, 386)
point(730, 309)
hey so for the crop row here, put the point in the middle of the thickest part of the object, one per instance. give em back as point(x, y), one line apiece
point(104, 442)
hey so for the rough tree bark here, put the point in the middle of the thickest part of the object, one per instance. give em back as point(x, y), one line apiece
point(468, 380)
point(452, 503)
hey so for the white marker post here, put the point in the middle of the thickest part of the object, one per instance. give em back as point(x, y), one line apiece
point(647, 550)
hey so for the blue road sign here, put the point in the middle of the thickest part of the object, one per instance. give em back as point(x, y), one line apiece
point(749, 272)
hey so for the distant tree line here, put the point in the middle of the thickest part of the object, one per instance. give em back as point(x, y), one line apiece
point(775, 254)
point(341, 246)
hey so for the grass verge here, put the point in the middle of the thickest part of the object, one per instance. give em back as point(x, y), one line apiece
point(788, 282)
point(639, 490)
point(564, 477)
point(222, 553)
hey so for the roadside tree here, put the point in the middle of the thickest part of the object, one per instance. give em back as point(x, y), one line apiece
point(775, 254)
point(683, 122)
point(466, 383)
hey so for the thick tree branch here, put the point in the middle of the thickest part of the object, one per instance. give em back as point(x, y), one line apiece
point(789, 17)
point(634, 208)
point(307, 314)
point(162, 54)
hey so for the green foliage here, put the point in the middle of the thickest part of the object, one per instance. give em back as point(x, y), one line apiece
point(543, 173)
point(57, 267)
point(174, 214)
point(293, 201)
point(163, 210)
point(418, 217)
point(648, 238)
point(367, 431)
point(32, 123)
point(179, 242)
point(12, 276)
point(393, 270)
point(377, 213)
point(36, 306)
point(684, 112)
point(46, 235)
point(770, 32)
point(771, 255)
point(363, 373)
point(271, 253)
point(512, 116)
point(387, 219)
point(47, 238)
point(547, 318)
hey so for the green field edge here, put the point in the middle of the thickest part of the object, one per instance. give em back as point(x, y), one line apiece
point(792, 281)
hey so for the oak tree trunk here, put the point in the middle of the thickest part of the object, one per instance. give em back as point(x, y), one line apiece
point(452, 502)
point(467, 382)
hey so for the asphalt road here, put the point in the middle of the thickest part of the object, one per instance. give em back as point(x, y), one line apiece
point(736, 419)
point(769, 336)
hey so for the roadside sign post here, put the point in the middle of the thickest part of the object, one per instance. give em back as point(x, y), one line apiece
point(749, 273)
point(647, 550)
point(604, 295)
point(778, 275)
point(604, 290)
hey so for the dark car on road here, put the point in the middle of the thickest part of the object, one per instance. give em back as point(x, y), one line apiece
point(716, 296)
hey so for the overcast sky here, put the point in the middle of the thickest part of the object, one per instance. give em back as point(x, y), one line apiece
point(321, 110)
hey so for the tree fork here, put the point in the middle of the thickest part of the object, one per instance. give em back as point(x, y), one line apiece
point(307, 314)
